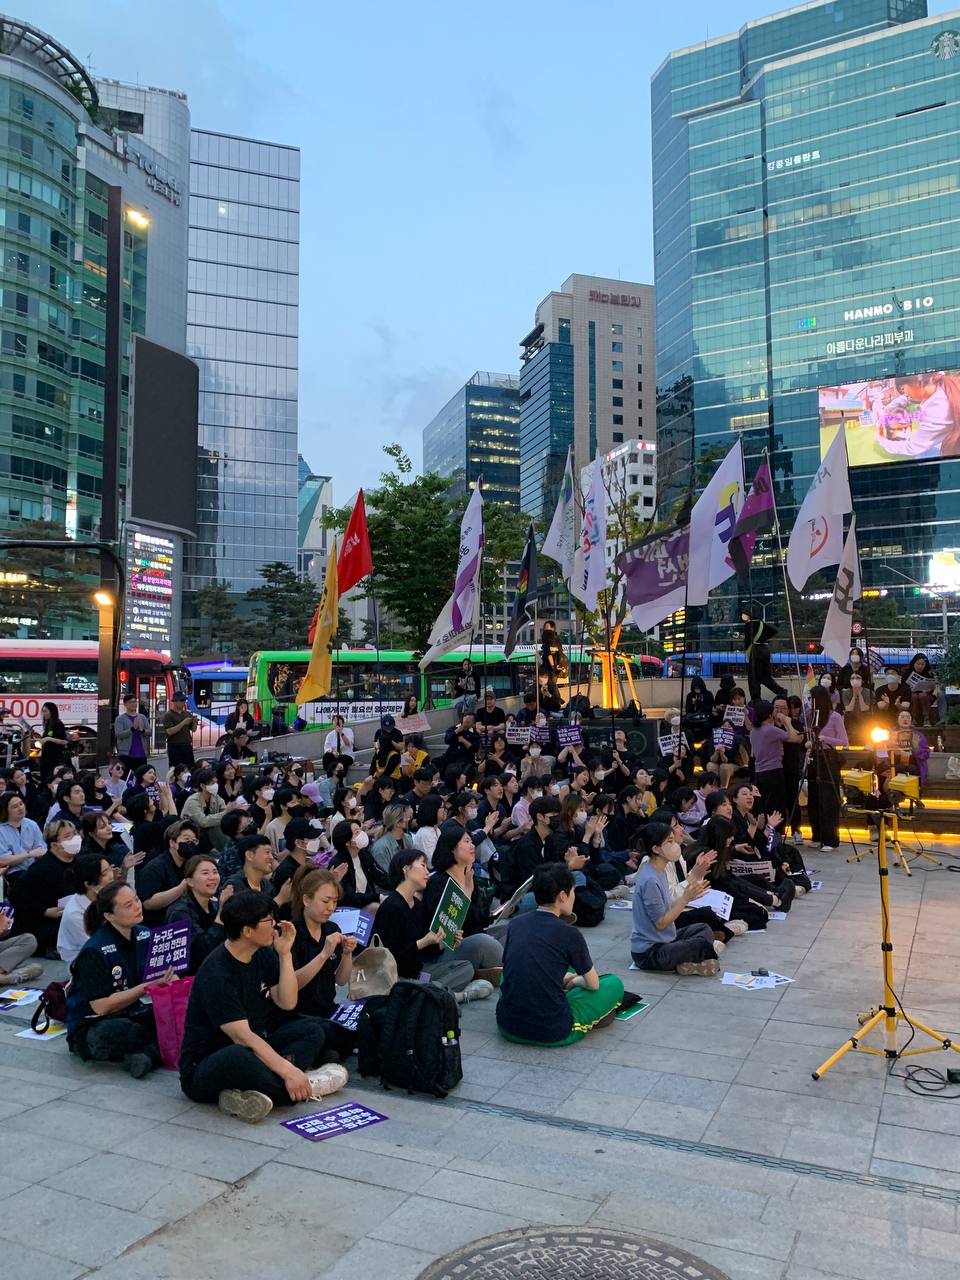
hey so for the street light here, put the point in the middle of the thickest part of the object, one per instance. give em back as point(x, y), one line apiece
point(938, 594)
point(103, 598)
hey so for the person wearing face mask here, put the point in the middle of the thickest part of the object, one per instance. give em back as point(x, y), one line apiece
point(160, 881)
point(301, 842)
point(259, 793)
point(532, 788)
point(396, 822)
point(361, 878)
point(345, 807)
point(856, 664)
point(534, 761)
point(289, 804)
point(656, 943)
point(856, 707)
point(205, 808)
point(433, 811)
point(199, 905)
point(36, 893)
point(827, 682)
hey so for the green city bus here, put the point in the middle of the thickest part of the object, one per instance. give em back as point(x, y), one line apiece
point(275, 676)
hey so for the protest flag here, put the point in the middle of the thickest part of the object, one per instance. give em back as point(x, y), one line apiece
point(316, 683)
point(712, 523)
point(460, 616)
point(654, 572)
point(560, 544)
point(835, 640)
point(527, 585)
point(756, 516)
point(817, 537)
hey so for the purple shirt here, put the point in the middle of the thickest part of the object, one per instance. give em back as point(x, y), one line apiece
point(766, 743)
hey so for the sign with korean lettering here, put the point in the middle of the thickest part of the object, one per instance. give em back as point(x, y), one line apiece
point(168, 948)
point(723, 738)
point(450, 914)
point(518, 735)
point(671, 743)
point(735, 716)
point(569, 735)
point(346, 1118)
point(347, 1015)
point(541, 733)
point(352, 920)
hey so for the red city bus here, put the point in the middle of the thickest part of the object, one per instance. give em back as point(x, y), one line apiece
point(33, 672)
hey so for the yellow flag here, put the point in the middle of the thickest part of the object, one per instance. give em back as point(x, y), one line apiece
point(316, 683)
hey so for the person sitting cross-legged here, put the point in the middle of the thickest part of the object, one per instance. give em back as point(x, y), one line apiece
point(655, 941)
point(229, 1055)
point(551, 993)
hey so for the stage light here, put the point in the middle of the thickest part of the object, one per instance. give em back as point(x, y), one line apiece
point(904, 784)
point(879, 736)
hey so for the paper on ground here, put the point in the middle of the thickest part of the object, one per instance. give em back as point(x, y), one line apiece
point(778, 915)
point(55, 1029)
point(13, 997)
point(748, 981)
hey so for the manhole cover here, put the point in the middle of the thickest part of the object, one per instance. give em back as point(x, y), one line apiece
point(570, 1253)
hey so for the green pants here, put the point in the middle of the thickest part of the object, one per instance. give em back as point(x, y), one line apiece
point(587, 1007)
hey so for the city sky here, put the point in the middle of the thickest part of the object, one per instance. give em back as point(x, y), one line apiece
point(459, 160)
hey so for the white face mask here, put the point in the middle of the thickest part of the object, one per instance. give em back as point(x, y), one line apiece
point(361, 840)
point(555, 788)
point(351, 802)
point(541, 720)
point(599, 774)
point(268, 793)
point(856, 682)
point(313, 846)
point(534, 752)
point(471, 812)
point(71, 844)
point(825, 683)
point(580, 817)
point(535, 795)
point(854, 659)
point(212, 788)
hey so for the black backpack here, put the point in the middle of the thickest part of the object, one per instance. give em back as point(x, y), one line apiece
point(419, 1039)
point(589, 904)
point(369, 1027)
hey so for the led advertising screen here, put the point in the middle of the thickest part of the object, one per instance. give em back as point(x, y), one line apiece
point(894, 419)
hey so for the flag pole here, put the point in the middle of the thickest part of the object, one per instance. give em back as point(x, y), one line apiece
point(376, 641)
point(783, 569)
point(536, 664)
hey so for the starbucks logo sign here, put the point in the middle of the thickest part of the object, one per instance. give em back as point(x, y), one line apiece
point(946, 45)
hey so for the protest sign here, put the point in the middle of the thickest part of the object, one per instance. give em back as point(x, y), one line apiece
point(413, 724)
point(348, 1014)
point(327, 1124)
point(352, 920)
point(735, 716)
point(569, 735)
point(670, 743)
point(450, 913)
point(541, 733)
point(723, 737)
point(517, 735)
point(168, 948)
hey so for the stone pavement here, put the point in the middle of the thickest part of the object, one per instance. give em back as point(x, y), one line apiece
point(696, 1122)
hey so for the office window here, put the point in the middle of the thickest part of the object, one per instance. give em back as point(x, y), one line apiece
point(639, 404)
point(618, 384)
point(639, 349)
point(618, 402)
point(616, 346)
point(639, 369)
point(618, 437)
point(639, 422)
point(639, 331)
point(618, 419)
point(616, 328)
point(616, 366)
point(639, 384)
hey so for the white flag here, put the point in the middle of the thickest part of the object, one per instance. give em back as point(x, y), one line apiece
point(836, 630)
point(817, 538)
point(460, 616)
point(590, 562)
point(560, 544)
point(712, 522)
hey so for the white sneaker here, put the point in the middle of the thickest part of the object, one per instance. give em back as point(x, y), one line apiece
point(248, 1105)
point(327, 1079)
point(478, 989)
point(719, 947)
point(828, 848)
point(737, 927)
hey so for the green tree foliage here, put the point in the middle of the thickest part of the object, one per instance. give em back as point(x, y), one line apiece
point(344, 626)
point(280, 610)
point(59, 583)
point(214, 630)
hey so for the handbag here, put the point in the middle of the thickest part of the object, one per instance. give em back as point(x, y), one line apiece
point(170, 1013)
point(374, 971)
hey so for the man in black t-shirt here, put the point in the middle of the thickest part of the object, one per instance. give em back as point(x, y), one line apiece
point(490, 716)
point(228, 1055)
point(541, 1001)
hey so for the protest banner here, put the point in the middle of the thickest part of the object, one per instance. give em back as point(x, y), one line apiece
point(569, 735)
point(735, 716)
point(541, 733)
point(352, 920)
point(670, 743)
point(723, 737)
point(517, 735)
point(347, 1015)
point(346, 1118)
point(413, 724)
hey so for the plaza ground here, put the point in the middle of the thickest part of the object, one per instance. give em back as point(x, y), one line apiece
point(695, 1122)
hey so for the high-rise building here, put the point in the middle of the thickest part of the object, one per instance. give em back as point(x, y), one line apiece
point(582, 381)
point(243, 326)
point(62, 151)
point(476, 433)
point(630, 483)
point(806, 206)
point(314, 500)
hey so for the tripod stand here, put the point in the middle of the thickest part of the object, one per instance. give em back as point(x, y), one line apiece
point(891, 1011)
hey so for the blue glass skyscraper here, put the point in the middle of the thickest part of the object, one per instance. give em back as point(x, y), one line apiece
point(806, 205)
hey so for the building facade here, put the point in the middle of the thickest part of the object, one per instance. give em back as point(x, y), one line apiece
point(242, 331)
point(582, 381)
point(314, 501)
point(806, 204)
point(476, 434)
point(61, 151)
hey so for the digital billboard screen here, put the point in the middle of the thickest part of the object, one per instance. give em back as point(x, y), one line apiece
point(894, 419)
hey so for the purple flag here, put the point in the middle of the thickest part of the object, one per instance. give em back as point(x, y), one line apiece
point(756, 517)
point(655, 575)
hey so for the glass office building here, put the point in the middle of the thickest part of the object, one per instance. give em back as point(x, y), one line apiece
point(476, 434)
point(242, 331)
point(806, 206)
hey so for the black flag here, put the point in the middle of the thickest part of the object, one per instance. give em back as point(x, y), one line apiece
point(527, 587)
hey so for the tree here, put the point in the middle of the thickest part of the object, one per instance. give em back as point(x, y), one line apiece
point(280, 610)
point(214, 628)
point(53, 590)
point(344, 626)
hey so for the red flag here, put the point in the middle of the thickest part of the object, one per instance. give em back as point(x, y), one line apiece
point(355, 560)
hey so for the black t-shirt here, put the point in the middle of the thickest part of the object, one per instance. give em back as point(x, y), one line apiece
point(539, 950)
point(318, 997)
point(287, 869)
point(491, 719)
point(39, 888)
point(108, 962)
point(399, 927)
point(227, 990)
point(156, 876)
